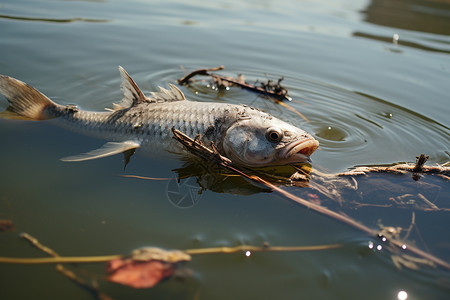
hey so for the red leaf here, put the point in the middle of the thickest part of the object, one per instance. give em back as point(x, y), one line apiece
point(6, 225)
point(138, 274)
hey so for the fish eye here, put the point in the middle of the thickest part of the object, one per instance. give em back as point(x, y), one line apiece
point(274, 135)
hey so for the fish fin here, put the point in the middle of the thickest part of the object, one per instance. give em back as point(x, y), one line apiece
point(127, 155)
point(131, 92)
point(170, 95)
point(108, 149)
point(119, 106)
point(25, 102)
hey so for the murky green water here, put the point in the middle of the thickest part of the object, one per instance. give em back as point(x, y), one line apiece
point(370, 99)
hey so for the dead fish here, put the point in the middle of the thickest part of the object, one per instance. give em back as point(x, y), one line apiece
point(246, 135)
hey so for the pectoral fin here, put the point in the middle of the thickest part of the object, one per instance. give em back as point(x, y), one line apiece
point(107, 149)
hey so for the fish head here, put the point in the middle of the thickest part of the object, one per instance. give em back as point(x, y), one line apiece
point(259, 140)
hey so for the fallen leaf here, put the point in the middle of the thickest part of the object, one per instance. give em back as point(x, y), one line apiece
point(6, 225)
point(139, 274)
point(145, 267)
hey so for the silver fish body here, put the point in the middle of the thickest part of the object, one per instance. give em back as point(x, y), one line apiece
point(244, 134)
point(150, 124)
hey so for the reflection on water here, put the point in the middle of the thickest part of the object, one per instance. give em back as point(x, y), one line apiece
point(413, 44)
point(356, 124)
point(412, 19)
point(415, 15)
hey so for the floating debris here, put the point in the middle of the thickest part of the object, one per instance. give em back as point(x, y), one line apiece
point(6, 225)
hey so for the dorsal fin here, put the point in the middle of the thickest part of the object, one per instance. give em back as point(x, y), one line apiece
point(164, 95)
point(132, 93)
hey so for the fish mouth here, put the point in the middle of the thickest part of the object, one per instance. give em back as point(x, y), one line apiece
point(299, 151)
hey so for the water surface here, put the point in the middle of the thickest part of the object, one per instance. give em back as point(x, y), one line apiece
point(372, 77)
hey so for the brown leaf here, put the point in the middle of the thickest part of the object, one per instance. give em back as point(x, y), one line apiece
point(6, 225)
point(139, 274)
point(145, 267)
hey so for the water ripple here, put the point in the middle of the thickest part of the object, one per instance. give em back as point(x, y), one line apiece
point(358, 128)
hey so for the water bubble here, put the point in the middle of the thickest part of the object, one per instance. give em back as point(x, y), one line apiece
point(332, 134)
point(395, 38)
point(402, 295)
point(387, 115)
point(379, 247)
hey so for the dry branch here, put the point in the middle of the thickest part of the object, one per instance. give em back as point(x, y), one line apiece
point(198, 148)
point(184, 255)
point(416, 168)
point(271, 89)
point(204, 72)
point(55, 258)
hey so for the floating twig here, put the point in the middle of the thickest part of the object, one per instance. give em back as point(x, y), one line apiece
point(197, 251)
point(398, 169)
point(204, 72)
point(265, 248)
point(198, 148)
point(33, 241)
point(421, 160)
point(271, 89)
point(55, 258)
point(144, 177)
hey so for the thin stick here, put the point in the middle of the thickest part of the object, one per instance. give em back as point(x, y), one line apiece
point(91, 288)
point(58, 259)
point(281, 94)
point(241, 248)
point(411, 226)
point(200, 150)
point(400, 169)
point(215, 250)
point(55, 258)
point(204, 72)
point(144, 177)
point(293, 110)
point(38, 245)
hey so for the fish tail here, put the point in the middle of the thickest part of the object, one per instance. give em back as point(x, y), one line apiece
point(25, 102)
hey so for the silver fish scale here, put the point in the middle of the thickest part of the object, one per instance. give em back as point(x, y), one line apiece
point(150, 124)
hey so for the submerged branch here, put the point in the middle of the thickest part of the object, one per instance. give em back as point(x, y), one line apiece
point(267, 248)
point(55, 258)
point(199, 149)
point(216, 250)
point(34, 241)
point(58, 260)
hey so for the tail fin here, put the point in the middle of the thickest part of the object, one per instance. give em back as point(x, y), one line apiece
point(25, 102)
